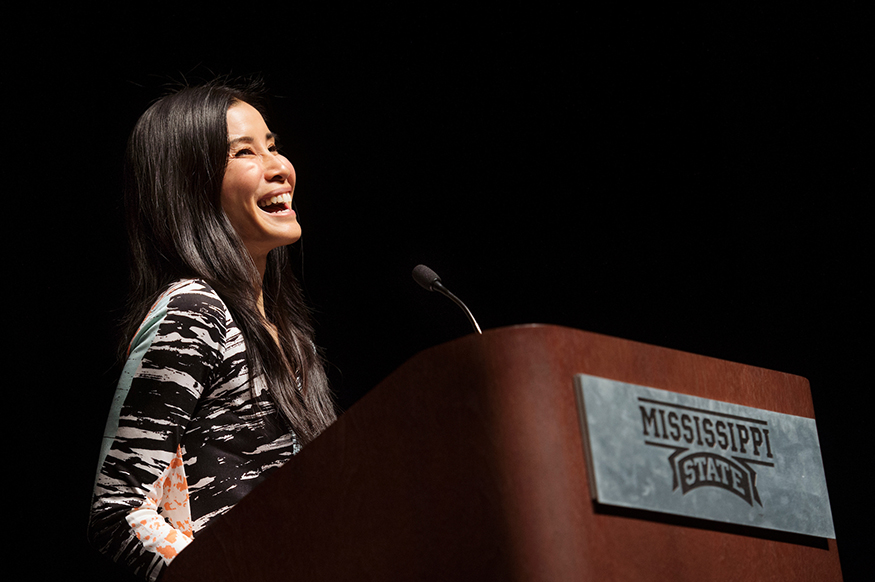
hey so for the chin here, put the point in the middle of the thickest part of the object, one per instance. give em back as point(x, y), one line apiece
point(288, 238)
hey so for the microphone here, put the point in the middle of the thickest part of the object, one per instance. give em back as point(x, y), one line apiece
point(428, 279)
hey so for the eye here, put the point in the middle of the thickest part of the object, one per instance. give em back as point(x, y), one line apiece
point(243, 152)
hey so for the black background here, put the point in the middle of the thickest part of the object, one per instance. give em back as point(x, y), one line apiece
point(688, 178)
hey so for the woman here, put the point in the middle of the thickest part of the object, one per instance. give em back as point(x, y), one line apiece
point(222, 382)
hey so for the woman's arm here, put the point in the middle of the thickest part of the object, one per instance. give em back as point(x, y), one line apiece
point(140, 515)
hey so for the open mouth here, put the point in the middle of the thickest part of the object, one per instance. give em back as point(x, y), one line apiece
point(275, 204)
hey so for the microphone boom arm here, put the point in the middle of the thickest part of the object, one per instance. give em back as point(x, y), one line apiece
point(439, 287)
point(428, 279)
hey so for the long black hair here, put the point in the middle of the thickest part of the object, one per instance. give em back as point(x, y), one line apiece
point(174, 165)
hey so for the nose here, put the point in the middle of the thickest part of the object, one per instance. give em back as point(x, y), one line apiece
point(278, 169)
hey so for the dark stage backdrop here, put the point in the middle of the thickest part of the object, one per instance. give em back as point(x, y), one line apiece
point(687, 178)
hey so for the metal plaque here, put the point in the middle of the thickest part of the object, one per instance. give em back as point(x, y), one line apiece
point(672, 453)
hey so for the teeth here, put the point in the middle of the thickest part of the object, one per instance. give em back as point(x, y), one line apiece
point(281, 199)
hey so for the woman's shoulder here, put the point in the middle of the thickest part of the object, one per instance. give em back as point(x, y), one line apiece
point(190, 298)
point(193, 295)
point(191, 288)
point(188, 304)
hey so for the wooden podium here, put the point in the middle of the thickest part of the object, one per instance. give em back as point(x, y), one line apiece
point(467, 463)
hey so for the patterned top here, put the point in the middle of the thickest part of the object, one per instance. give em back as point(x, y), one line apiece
point(188, 434)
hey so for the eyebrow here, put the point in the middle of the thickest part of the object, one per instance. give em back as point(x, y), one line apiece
point(246, 139)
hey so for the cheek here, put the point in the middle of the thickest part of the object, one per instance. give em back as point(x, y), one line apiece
point(234, 205)
point(228, 196)
point(237, 190)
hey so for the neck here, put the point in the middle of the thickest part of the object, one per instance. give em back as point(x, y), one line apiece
point(260, 261)
point(259, 302)
point(261, 265)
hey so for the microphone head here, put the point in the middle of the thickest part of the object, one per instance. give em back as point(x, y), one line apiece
point(425, 276)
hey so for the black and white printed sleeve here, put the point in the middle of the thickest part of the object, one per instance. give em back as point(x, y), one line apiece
point(189, 433)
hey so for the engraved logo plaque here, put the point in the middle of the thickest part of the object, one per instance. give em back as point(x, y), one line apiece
point(667, 452)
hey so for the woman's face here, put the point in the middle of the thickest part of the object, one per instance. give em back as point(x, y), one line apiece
point(258, 185)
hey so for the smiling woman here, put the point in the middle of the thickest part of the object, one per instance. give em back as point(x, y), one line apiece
point(258, 185)
point(222, 382)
